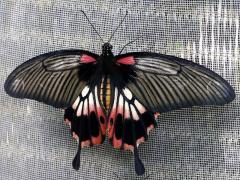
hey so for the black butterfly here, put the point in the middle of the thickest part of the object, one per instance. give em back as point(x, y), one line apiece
point(120, 95)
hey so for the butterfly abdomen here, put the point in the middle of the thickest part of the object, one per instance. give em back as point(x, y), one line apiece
point(105, 92)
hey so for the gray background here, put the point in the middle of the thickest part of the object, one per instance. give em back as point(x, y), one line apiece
point(197, 143)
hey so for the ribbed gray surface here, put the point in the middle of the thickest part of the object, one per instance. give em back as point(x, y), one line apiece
point(197, 143)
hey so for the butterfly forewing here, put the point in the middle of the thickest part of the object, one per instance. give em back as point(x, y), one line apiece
point(55, 78)
point(164, 83)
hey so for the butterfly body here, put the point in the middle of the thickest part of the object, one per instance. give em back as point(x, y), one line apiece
point(105, 93)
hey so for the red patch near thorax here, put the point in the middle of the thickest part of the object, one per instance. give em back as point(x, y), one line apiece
point(129, 60)
point(87, 59)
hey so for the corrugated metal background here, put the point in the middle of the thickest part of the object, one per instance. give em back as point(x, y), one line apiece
point(197, 143)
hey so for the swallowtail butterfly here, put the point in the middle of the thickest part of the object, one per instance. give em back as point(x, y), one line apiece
point(118, 96)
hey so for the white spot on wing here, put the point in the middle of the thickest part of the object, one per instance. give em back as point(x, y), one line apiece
point(127, 93)
point(134, 113)
point(126, 111)
point(120, 104)
point(113, 111)
point(139, 106)
point(91, 103)
point(79, 111)
point(115, 98)
point(85, 91)
point(85, 108)
point(96, 99)
point(74, 106)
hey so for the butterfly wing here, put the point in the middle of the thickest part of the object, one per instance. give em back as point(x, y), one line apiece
point(87, 120)
point(86, 117)
point(164, 83)
point(55, 78)
point(160, 83)
point(64, 79)
point(129, 121)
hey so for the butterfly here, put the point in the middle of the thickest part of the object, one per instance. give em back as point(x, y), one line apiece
point(116, 96)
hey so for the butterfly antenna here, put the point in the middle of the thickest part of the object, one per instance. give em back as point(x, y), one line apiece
point(133, 42)
point(118, 27)
point(129, 44)
point(92, 25)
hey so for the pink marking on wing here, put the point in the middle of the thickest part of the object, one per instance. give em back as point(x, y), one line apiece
point(87, 59)
point(112, 117)
point(115, 111)
point(67, 122)
point(156, 115)
point(117, 143)
point(75, 136)
point(139, 106)
point(129, 60)
point(126, 111)
point(151, 127)
point(91, 104)
point(140, 140)
point(110, 131)
point(85, 143)
point(128, 147)
point(100, 114)
point(96, 140)
point(111, 124)
point(85, 108)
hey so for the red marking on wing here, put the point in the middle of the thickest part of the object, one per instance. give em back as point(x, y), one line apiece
point(129, 60)
point(85, 143)
point(117, 143)
point(111, 122)
point(97, 140)
point(128, 147)
point(113, 114)
point(156, 115)
point(111, 119)
point(100, 114)
point(87, 59)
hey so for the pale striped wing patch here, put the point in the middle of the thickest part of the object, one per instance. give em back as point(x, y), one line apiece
point(157, 66)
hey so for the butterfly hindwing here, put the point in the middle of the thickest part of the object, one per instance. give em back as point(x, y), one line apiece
point(129, 121)
point(163, 83)
point(86, 118)
point(55, 78)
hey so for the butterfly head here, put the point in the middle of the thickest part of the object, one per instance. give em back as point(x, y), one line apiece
point(107, 49)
